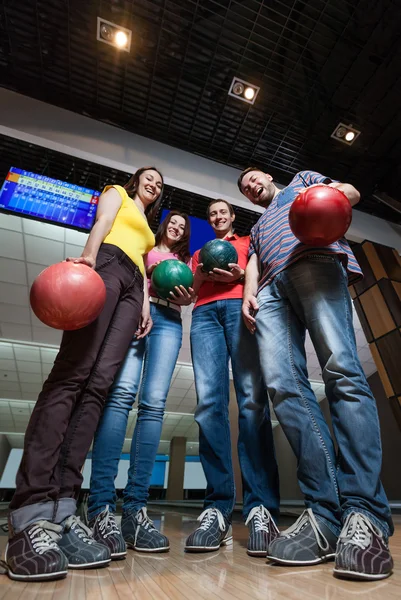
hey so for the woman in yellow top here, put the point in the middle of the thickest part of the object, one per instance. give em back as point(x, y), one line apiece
point(45, 535)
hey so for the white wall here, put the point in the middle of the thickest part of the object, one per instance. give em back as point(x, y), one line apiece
point(4, 452)
point(194, 478)
point(52, 127)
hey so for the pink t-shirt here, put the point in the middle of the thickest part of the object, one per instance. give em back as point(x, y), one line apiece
point(153, 257)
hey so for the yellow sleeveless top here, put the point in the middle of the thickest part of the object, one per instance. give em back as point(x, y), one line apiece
point(130, 230)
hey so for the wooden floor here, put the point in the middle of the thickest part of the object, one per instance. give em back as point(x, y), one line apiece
point(228, 575)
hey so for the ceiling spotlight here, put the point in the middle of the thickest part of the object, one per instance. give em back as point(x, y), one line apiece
point(349, 136)
point(106, 32)
point(243, 90)
point(113, 35)
point(346, 134)
point(238, 88)
point(121, 39)
point(249, 93)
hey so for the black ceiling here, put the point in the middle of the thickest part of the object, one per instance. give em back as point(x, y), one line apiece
point(317, 62)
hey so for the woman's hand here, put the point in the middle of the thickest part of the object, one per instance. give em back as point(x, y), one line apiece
point(182, 296)
point(222, 276)
point(88, 260)
point(145, 323)
point(151, 268)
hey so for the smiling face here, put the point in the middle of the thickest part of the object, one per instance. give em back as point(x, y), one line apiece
point(220, 218)
point(150, 187)
point(175, 230)
point(258, 187)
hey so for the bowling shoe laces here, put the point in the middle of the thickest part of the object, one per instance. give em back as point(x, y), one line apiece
point(262, 531)
point(214, 531)
point(106, 531)
point(362, 551)
point(140, 533)
point(34, 555)
point(79, 546)
point(307, 542)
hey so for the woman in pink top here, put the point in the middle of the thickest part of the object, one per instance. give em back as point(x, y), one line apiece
point(155, 356)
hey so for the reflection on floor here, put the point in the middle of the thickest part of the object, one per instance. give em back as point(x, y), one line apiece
point(228, 574)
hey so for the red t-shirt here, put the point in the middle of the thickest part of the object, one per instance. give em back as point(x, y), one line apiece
point(211, 291)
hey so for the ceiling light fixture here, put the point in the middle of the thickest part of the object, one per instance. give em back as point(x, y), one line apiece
point(346, 134)
point(113, 35)
point(121, 39)
point(249, 93)
point(243, 90)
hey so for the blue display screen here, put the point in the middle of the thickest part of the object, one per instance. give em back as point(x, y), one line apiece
point(201, 231)
point(46, 199)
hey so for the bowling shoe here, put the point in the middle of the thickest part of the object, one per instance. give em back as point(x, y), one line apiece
point(307, 542)
point(214, 531)
point(106, 531)
point(262, 531)
point(34, 555)
point(140, 533)
point(82, 551)
point(362, 551)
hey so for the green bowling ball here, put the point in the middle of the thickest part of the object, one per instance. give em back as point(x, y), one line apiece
point(168, 274)
point(217, 254)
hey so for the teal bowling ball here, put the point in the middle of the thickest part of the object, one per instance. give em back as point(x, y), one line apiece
point(168, 274)
point(217, 254)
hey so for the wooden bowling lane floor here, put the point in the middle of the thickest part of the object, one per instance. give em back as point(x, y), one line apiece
point(228, 574)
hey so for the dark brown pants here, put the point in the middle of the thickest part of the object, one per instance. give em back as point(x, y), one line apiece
point(68, 409)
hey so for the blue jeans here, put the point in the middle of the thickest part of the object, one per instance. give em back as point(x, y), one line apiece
point(217, 334)
point(312, 295)
point(158, 354)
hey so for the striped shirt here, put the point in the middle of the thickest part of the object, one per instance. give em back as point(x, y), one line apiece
point(276, 246)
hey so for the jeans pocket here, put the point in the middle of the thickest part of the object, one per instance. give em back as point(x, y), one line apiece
point(105, 261)
point(331, 258)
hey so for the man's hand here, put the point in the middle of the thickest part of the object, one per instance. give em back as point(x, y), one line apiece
point(250, 307)
point(182, 296)
point(84, 260)
point(199, 274)
point(145, 323)
point(222, 276)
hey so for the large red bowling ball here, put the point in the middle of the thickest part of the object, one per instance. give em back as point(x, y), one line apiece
point(320, 215)
point(68, 295)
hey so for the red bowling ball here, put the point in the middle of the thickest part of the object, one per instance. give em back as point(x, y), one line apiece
point(320, 216)
point(68, 296)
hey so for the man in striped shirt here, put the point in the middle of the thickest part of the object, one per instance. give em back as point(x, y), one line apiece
point(291, 288)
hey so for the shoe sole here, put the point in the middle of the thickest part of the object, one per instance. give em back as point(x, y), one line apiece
point(260, 553)
point(132, 547)
point(342, 574)
point(42, 577)
point(301, 563)
point(118, 555)
point(208, 548)
point(92, 565)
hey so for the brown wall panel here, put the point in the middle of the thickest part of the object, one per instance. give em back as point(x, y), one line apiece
point(389, 261)
point(381, 370)
point(374, 260)
point(392, 300)
point(364, 322)
point(368, 275)
point(376, 311)
point(389, 348)
point(395, 404)
point(397, 287)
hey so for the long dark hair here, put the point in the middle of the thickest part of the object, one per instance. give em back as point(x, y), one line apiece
point(180, 248)
point(131, 188)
